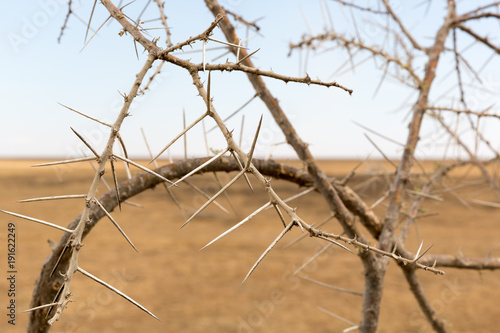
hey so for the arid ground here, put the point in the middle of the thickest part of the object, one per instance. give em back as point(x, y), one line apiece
point(199, 291)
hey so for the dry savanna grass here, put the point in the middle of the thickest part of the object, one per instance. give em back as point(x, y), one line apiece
point(199, 291)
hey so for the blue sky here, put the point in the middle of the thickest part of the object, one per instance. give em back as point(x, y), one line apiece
point(38, 73)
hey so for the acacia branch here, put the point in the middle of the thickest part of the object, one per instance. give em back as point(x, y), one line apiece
point(343, 202)
point(44, 292)
point(479, 114)
point(70, 11)
point(356, 44)
point(75, 238)
point(472, 156)
point(475, 15)
point(243, 21)
point(163, 19)
point(460, 262)
point(201, 37)
point(361, 8)
point(405, 31)
point(346, 219)
point(403, 172)
point(153, 49)
point(229, 67)
point(480, 9)
point(481, 39)
point(423, 302)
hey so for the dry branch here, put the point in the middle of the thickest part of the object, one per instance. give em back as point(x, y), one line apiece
point(44, 292)
point(402, 192)
point(74, 241)
point(53, 290)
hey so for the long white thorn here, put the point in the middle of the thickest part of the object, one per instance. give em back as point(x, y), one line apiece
point(418, 251)
point(280, 236)
point(242, 168)
point(179, 135)
point(39, 307)
point(238, 51)
point(231, 182)
point(254, 143)
point(155, 162)
point(486, 203)
point(241, 130)
point(76, 160)
point(226, 43)
point(336, 316)
point(143, 168)
point(326, 247)
point(116, 224)
point(417, 258)
point(247, 56)
point(352, 328)
point(215, 173)
point(115, 182)
point(202, 166)
point(90, 19)
point(282, 218)
point(110, 287)
point(239, 224)
point(65, 248)
point(206, 195)
point(225, 194)
point(298, 195)
point(234, 113)
point(86, 143)
point(38, 221)
point(124, 152)
point(86, 116)
point(209, 99)
point(95, 33)
point(352, 292)
point(203, 51)
point(336, 243)
point(207, 149)
point(56, 197)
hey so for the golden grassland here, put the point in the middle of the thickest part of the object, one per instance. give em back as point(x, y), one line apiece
point(199, 291)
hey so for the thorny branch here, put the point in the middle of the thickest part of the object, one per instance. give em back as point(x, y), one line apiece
point(76, 237)
point(405, 43)
point(73, 244)
point(346, 205)
point(177, 170)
